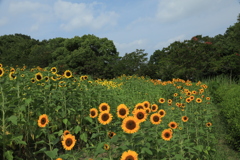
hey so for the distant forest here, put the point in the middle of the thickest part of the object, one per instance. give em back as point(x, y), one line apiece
point(194, 59)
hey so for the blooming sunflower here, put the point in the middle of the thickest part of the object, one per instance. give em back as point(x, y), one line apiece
point(154, 108)
point(66, 132)
point(208, 124)
point(173, 125)
point(161, 100)
point(167, 134)
point(130, 124)
point(46, 78)
point(162, 112)
point(111, 134)
point(104, 107)
point(184, 118)
point(105, 117)
point(139, 106)
point(122, 111)
point(208, 98)
point(38, 76)
point(155, 118)
point(67, 74)
point(175, 94)
point(82, 78)
point(146, 104)
point(129, 155)
point(188, 100)
point(199, 100)
point(59, 159)
point(140, 115)
point(1, 71)
point(148, 110)
point(12, 76)
point(68, 142)
point(170, 101)
point(12, 70)
point(106, 147)
point(1, 65)
point(43, 120)
point(93, 113)
point(53, 70)
point(33, 80)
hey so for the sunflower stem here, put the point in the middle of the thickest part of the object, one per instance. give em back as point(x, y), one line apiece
point(3, 122)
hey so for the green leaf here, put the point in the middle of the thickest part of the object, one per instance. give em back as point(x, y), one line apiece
point(65, 121)
point(178, 156)
point(146, 150)
point(18, 140)
point(83, 136)
point(28, 101)
point(89, 119)
point(99, 149)
point(77, 129)
point(8, 155)
point(199, 148)
point(52, 154)
point(13, 119)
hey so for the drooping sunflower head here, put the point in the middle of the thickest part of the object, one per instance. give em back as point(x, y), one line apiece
point(67, 74)
point(111, 134)
point(184, 118)
point(199, 100)
point(129, 155)
point(104, 107)
point(154, 107)
point(105, 117)
point(155, 118)
point(12, 76)
point(173, 125)
point(93, 113)
point(162, 112)
point(68, 142)
point(140, 115)
point(130, 125)
point(148, 110)
point(167, 134)
point(38, 76)
point(43, 120)
point(161, 100)
point(66, 132)
point(122, 111)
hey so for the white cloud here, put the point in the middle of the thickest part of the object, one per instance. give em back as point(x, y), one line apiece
point(162, 44)
point(131, 46)
point(79, 15)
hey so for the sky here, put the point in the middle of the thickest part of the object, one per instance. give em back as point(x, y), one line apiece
point(130, 24)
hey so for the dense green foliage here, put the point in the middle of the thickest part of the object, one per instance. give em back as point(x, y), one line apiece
point(193, 59)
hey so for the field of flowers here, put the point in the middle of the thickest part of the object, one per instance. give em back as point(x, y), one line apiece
point(48, 115)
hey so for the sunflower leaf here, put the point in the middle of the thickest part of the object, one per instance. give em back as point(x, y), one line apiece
point(83, 136)
point(146, 150)
point(13, 119)
point(8, 155)
point(52, 154)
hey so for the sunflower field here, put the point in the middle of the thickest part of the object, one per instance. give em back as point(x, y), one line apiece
point(48, 115)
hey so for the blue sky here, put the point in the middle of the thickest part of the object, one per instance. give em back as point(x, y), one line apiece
point(131, 25)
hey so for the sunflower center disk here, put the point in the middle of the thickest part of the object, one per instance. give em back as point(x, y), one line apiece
point(43, 120)
point(104, 108)
point(69, 142)
point(129, 157)
point(140, 116)
point(93, 113)
point(105, 117)
point(122, 112)
point(155, 118)
point(131, 125)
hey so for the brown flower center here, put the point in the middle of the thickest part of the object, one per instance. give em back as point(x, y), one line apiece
point(130, 157)
point(105, 117)
point(153, 107)
point(156, 119)
point(68, 74)
point(68, 142)
point(39, 77)
point(43, 120)
point(131, 125)
point(167, 135)
point(140, 115)
point(104, 108)
point(93, 113)
point(122, 111)
point(140, 107)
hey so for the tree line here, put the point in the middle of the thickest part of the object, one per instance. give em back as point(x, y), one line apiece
point(197, 58)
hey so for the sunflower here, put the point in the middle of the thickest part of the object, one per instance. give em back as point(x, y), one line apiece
point(154, 108)
point(161, 100)
point(105, 117)
point(130, 124)
point(194, 92)
point(170, 101)
point(59, 159)
point(111, 134)
point(146, 104)
point(162, 112)
point(129, 155)
point(62, 84)
point(12, 76)
point(104, 107)
point(122, 111)
point(1, 71)
point(1, 65)
point(198, 100)
point(140, 114)
point(167, 134)
point(12, 70)
point(82, 78)
point(43, 120)
point(184, 118)
point(66, 132)
point(188, 100)
point(33, 80)
point(67, 74)
point(106, 147)
point(46, 78)
point(93, 113)
point(155, 118)
point(208, 98)
point(208, 124)
point(148, 110)
point(53, 70)
point(68, 142)
point(173, 125)
point(139, 106)
point(175, 94)
point(38, 76)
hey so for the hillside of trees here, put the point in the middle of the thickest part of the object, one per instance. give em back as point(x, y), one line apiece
point(197, 58)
